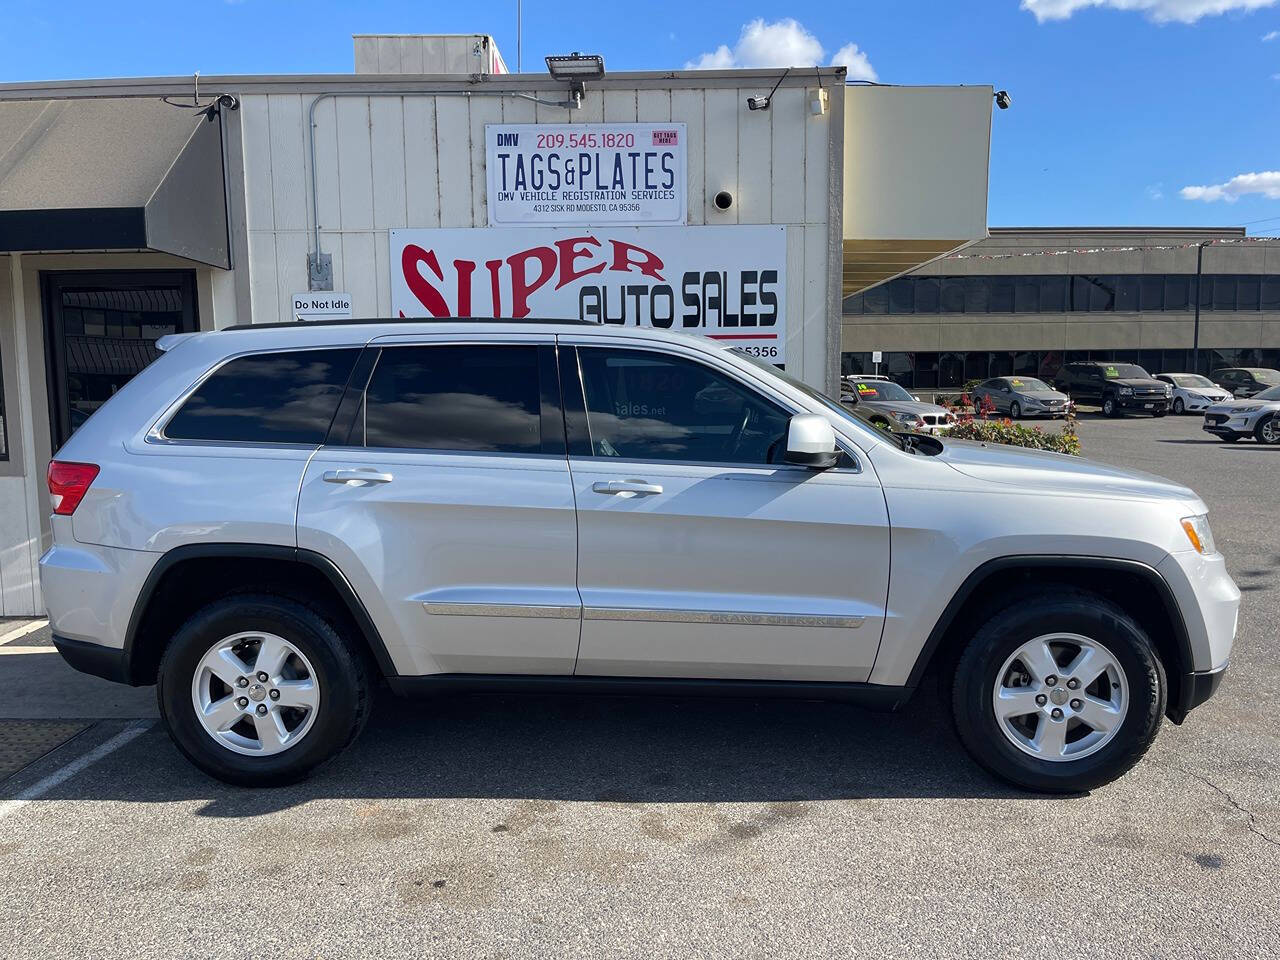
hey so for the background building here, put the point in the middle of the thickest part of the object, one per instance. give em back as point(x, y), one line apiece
point(1027, 300)
point(131, 208)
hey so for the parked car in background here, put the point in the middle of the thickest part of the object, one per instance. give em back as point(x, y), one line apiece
point(1245, 381)
point(885, 403)
point(1022, 397)
point(269, 521)
point(1193, 393)
point(1257, 416)
point(1116, 387)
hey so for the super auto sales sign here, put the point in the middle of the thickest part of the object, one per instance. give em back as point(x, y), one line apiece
point(724, 282)
point(585, 173)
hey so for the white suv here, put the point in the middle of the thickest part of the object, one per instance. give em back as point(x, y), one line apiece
point(268, 520)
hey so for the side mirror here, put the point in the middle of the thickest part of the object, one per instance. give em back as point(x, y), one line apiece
point(811, 442)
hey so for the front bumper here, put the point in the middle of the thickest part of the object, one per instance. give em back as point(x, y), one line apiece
point(1240, 425)
point(1194, 690)
point(1143, 404)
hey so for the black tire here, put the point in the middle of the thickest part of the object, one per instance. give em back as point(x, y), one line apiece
point(344, 681)
point(1111, 408)
point(1058, 610)
point(1268, 431)
point(1179, 408)
point(1015, 411)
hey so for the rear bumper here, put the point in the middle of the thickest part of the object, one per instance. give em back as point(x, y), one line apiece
point(1194, 690)
point(110, 663)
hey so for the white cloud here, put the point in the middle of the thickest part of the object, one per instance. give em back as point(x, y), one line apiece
point(783, 43)
point(1155, 191)
point(1161, 11)
point(856, 61)
point(1266, 183)
point(1268, 37)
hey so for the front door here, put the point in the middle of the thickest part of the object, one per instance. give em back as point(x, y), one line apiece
point(701, 554)
point(101, 330)
point(448, 506)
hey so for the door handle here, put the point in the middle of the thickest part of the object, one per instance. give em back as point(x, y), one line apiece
point(360, 475)
point(626, 487)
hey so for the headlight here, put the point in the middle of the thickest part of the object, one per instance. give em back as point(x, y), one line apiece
point(905, 417)
point(1253, 408)
point(1033, 402)
point(1168, 390)
point(1126, 391)
point(1198, 532)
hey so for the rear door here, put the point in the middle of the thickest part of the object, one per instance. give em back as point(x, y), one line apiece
point(701, 554)
point(444, 496)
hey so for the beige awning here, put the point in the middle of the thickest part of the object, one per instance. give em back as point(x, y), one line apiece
point(112, 174)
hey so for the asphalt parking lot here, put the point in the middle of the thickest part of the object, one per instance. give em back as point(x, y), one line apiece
point(510, 827)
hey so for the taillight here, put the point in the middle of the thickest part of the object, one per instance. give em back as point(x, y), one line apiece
point(68, 483)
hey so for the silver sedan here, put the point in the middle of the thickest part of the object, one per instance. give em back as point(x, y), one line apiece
point(1022, 397)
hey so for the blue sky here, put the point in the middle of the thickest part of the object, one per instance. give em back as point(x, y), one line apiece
point(1119, 106)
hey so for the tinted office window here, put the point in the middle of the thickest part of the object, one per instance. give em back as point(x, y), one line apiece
point(1271, 293)
point(876, 300)
point(852, 305)
point(647, 406)
point(1102, 294)
point(928, 292)
point(1177, 293)
point(1053, 294)
point(952, 295)
point(1001, 295)
point(902, 295)
point(1247, 292)
point(1224, 293)
point(977, 295)
point(1026, 295)
point(1127, 294)
point(1151, 292)
point(464, 397)
point(1206, 292)
point(267, 398)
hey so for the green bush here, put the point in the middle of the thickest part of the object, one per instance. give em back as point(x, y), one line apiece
point(1016, 435)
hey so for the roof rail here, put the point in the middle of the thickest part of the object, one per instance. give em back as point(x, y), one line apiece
point(367, 320)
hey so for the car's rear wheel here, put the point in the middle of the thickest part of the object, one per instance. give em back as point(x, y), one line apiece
point(1268, 431)
point(259, 690)
point(1179, 408)
point(1061, 692)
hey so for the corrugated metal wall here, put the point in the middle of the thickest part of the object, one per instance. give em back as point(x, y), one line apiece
point(392, 161)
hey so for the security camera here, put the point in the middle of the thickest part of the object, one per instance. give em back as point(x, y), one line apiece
point(757, 103)
point(723, 200)
point(1002, 99)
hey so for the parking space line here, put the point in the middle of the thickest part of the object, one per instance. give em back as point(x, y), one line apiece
point(12, 651)
point(22, 631)
point(65, 773)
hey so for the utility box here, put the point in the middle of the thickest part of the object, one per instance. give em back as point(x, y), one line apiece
point(413, 53)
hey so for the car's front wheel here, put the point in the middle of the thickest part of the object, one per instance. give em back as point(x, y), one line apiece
point(1268, 431)
point(1110, 408)
point(259, 690)
point(1015, 410)
point(1179, 408)
point(1060, 692)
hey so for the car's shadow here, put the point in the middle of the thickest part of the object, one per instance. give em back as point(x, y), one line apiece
point(591, 748)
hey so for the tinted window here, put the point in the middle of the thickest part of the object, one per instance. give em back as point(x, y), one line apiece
point(1152, 292)
point(267, 398)
point(928, 290)
point(1001, 295)
point(1053, 294)
point(902, 295)
point(1127, 293)
point(464, 397)
point(1026, 295)
point(952, 295)
point(646, 406)
point(1177, 293)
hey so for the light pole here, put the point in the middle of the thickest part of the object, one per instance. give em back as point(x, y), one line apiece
point(1195, 335)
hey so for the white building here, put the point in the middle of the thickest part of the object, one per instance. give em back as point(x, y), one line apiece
point(130, 208)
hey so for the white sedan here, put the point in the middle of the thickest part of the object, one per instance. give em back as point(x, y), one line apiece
point(1193, 393)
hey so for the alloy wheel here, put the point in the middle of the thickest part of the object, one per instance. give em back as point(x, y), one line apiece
point(1060, 697)
point(255, 693)
point(1270, 431)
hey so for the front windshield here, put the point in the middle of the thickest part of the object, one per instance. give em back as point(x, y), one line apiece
point(879, 390)
point(1190, 380)
point(1265, 375)
point(832, 405)
point(1124, 371)
point(1271, 393)
point(1027, 383)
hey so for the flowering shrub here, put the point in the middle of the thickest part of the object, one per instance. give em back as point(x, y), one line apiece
point(982, 426)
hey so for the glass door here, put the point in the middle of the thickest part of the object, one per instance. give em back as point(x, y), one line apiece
point(101, 330)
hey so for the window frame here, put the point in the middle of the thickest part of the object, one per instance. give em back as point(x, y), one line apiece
point(156, 432)
point(573, 392)
point(550, 395)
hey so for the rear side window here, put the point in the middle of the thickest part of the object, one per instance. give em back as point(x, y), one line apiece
point(267, 398)
point(466, 397)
